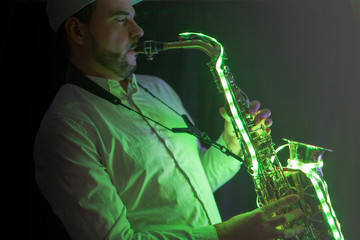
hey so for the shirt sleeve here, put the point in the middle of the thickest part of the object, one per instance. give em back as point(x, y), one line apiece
point(219, 167)
point(72, 177)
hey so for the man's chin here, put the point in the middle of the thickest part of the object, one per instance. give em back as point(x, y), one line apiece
point(129, 72)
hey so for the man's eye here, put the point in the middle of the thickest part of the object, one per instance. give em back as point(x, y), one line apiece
point(120, 20)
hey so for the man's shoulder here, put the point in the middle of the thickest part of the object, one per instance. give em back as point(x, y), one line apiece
point(149, 79)
point(154, 83)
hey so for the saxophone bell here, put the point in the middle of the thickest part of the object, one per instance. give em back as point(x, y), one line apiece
point(306, 155)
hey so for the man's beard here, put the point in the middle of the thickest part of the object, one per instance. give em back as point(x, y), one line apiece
point(113, 61)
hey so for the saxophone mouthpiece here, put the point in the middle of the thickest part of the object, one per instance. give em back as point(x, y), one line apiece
point(149, 48)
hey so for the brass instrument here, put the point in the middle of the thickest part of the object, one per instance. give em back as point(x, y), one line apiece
point(302, 176)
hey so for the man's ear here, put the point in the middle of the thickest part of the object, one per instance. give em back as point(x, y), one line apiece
point(75, 30)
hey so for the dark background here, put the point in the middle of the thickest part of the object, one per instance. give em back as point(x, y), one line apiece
point(301, 59)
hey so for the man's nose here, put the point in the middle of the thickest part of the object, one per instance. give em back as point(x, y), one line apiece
point(136, 31)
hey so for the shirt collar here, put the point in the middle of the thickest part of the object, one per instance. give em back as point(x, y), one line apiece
point(114, 87)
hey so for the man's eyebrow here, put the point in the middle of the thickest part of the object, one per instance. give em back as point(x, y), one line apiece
point(121, 13)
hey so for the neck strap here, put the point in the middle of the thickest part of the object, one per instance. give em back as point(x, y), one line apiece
point(75, 77)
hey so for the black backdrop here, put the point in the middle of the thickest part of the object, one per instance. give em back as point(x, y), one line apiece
point(299, 58)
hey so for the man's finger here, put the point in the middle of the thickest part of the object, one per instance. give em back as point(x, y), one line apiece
point(293, 214)
point(285, 218)
point(254, 107)
point(262, 116)
point(268, 122)
point(279, 204)
point(264, 113)
point(224, 114)
point(288, 233)
point(292, 232)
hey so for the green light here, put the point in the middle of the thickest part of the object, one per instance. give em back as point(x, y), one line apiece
point(305, 167)
point(220, 68)
point(321, 192)
point(308, 168)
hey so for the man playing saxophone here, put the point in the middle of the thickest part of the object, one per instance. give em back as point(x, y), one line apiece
point(114, 171)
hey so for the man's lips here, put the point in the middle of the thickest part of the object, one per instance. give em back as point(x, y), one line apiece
point(131, 54)
point(132, 49)
point(134, 46)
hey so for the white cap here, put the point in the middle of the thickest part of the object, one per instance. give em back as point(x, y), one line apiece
point(60, 10)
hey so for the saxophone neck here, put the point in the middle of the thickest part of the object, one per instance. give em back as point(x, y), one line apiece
point(187, 41)
point(201, 45)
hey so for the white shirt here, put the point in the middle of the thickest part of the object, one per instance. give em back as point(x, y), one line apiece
point(109, 173)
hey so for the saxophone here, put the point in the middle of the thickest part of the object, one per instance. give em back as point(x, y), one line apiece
point(302, 176)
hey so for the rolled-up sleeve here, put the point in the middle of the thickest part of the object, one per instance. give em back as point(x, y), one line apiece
point(219, 168)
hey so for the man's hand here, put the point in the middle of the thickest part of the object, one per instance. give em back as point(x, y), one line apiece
point(260, 224)
point(261, 118)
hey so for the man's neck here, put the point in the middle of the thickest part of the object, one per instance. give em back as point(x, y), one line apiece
point(124, 83)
